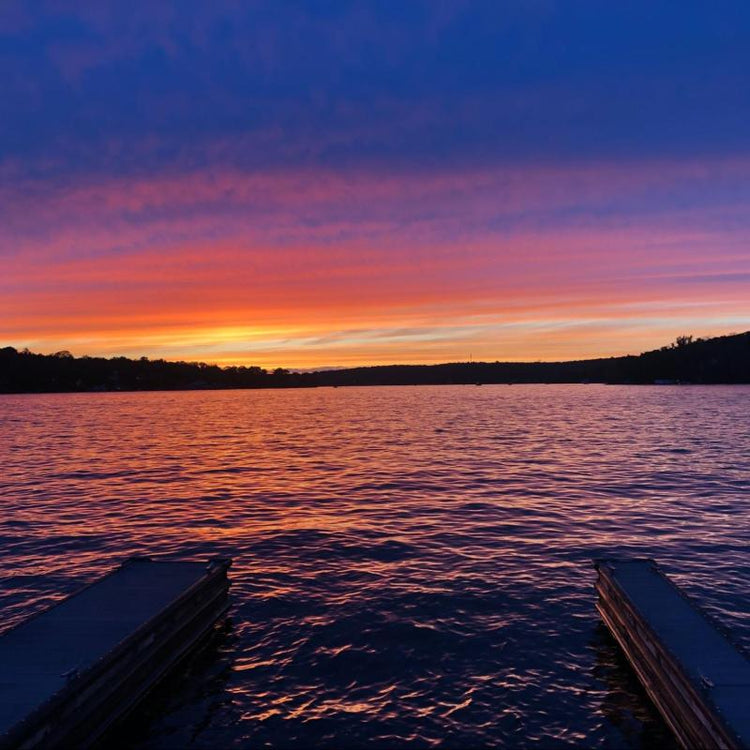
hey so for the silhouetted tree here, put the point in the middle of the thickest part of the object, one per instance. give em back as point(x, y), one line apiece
point(724, 359)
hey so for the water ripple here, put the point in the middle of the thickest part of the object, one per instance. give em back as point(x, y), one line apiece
point(412, 565)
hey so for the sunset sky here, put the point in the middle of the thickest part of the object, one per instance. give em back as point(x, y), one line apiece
point(307, 184)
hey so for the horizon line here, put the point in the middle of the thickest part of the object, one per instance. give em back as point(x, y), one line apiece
point(333, 368)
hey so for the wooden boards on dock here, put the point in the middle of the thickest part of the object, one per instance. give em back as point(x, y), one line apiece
point(68, 673)
point(696, 677)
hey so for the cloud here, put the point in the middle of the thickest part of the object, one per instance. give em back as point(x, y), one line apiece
point(342, 84)
point(351, 180)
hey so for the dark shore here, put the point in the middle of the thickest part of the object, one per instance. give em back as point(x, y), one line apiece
point(720, 360)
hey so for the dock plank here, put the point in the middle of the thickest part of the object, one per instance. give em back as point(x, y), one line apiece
point(714, 668)
point(40, 657)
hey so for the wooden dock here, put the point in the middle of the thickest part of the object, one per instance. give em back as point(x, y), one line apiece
point(68, 673)
point(696, 677)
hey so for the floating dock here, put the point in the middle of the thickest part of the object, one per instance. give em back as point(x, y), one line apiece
point(696, 677)
point(68, 673)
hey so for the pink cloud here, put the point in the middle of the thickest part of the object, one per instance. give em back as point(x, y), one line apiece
point(319, 253)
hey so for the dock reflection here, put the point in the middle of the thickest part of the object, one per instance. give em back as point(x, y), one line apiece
point(184, 704)
point(626, 705)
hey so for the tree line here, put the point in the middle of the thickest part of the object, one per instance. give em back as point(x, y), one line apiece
point(724, 359)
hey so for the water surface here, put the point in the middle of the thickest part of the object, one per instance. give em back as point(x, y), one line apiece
point(412, 565)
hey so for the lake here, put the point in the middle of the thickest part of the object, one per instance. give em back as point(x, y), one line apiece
point(412, 564)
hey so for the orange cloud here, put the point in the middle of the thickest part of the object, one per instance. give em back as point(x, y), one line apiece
point(306, 269)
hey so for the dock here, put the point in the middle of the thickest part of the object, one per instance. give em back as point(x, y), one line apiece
point(696, 677)
point(70, 672)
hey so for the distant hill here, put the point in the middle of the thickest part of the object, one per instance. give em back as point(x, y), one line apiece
point(725, 359)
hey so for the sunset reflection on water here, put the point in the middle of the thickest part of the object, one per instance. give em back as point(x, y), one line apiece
point(412, 565)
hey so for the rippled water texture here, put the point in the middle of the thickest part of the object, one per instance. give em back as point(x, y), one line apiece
point(412, 565)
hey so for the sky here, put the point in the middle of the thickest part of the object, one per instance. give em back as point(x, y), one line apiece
point(317, 184)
